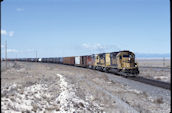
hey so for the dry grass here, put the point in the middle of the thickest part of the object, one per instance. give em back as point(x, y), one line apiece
point(159, 100)
point(145, 94)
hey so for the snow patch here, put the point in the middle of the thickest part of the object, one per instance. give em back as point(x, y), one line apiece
point(161, 77)
point(24, 100)
point(67, 97)
point(133, 90)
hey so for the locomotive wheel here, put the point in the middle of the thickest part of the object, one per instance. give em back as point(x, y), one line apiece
point(96, 68)
point(102, 69)
point(105, 70)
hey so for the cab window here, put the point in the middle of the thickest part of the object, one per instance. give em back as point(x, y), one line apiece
point(125, 55)
point(131, 56)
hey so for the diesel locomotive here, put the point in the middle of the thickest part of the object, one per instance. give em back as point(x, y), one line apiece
point(122, 61)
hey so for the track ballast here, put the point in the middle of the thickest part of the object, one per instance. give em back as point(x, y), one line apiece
point(157, 83)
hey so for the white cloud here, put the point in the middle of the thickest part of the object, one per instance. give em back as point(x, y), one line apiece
point(99, 47)
point(94, 47)
point(86, 45)
point(18, 51)
point(11, 33)
point(2, 46)
point(3, 32)
point(19, 9)
point(12, 51)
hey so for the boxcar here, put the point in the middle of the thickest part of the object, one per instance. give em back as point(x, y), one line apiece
point(83, 61)
point(57, 60)
point(61, 60)
point(40, 60)
point(43, 59)
point(28, 59)
point(53, 60)
point(77, 61)
point(89, 61)
point(35, 59)
point(69, 60)
point(50, 60)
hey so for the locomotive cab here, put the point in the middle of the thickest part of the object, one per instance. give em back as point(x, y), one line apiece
point(126, 62)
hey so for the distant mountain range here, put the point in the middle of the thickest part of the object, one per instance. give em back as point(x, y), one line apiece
point(152, 55)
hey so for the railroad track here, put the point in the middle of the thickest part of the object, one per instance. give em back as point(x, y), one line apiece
point(156, 83)
point(152, 82)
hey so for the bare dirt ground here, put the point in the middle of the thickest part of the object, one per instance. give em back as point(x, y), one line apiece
point(155, 69)
point(50, 88)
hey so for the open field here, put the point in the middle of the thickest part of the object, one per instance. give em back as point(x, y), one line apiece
point(41, 87)
point(155, 69)
point(154, 62)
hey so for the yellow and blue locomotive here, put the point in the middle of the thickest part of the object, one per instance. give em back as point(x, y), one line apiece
point(122, 61)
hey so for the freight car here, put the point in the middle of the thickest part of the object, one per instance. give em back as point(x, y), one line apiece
point(77, 61)
point(83, 61)
point(69, 60)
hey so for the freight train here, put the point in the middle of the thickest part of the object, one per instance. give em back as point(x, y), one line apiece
point(121, 62)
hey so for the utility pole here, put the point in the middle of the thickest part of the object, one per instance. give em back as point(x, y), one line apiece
point(6, 54)
point(163, 61)
point(0, 28)
point(36, 53)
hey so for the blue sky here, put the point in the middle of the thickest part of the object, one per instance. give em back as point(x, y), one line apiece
point(81, 27)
